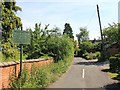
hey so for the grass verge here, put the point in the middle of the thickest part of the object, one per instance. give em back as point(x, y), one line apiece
point(43, 76)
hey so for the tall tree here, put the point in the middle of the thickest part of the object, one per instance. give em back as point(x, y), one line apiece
point(68, 30)
point(83, 35)
point(10, 22)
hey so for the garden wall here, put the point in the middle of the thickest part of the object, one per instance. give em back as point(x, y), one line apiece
point(9, 68)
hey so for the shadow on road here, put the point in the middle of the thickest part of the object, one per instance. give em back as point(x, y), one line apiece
point(108, 70)
point(90, 63)
point(114, 86)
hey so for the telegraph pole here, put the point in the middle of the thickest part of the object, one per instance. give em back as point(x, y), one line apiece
point(102, 46)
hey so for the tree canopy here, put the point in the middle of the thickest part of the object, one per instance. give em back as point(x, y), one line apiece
point(68, 30)
point(83, 35)
point(9, 23)
point(111, 33)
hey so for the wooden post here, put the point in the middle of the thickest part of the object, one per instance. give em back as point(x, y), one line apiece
point(102, 46)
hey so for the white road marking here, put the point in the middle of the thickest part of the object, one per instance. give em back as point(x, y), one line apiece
point(83, 73)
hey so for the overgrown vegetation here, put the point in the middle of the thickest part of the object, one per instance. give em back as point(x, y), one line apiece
point(87, 49)
point(48, 43)
point(43, 76)
point(111, 34)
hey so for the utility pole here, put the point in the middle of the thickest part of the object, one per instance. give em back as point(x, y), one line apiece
point(102, 46)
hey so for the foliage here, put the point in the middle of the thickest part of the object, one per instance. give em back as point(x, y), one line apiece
point(10, 22)
point(113, 75)
point(46, 42)
point(90, 56)
point(9, 53)
point(43, 76)
point(115, 63)
point(83, 35)
point(38, 39)
point(45, 57)
point(97, 46)
point(86, 46)
point(18, 83)
point(68, 30)
point(59, 47)
point(87, 49)
point(17, 57)
point(111, 33)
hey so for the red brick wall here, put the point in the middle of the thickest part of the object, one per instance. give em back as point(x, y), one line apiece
point(9, 68)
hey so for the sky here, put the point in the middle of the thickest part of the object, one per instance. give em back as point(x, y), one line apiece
point(78, 13)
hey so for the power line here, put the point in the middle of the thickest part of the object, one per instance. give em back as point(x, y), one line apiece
point(91, 18)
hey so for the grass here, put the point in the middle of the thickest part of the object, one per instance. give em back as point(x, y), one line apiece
point(112, 75)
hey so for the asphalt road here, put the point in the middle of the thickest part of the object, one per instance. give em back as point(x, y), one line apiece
point(85, 74)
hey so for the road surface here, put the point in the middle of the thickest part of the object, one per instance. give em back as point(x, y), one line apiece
point(85, 74)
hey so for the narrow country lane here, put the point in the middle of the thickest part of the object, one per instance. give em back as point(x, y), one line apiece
point(85, 74)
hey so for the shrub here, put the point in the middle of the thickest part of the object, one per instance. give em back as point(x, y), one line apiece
point(86, 46)
point(90, 56)
point(115, 63)
point(56, 47)
point(9, 52)
point(59, 47)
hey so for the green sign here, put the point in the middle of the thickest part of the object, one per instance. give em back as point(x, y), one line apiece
point(21, 37)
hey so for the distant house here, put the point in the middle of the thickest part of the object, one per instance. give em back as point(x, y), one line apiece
point(113, 49)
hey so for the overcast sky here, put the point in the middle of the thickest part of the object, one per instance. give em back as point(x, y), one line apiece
point(78, 13)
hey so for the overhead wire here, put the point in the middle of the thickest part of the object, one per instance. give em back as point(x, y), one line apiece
point(94, 13)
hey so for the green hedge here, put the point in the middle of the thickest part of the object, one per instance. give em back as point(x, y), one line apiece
point(115, 63)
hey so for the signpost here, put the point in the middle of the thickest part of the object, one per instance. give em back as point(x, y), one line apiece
point(21, 37)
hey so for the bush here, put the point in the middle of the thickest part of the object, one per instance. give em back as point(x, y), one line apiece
point(59, 47)
point(9, 52)
point(86, 46)
point(55, 46)
point(115, 64)
point(90, 56)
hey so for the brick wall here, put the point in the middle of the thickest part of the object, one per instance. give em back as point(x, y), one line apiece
point(9, 68)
